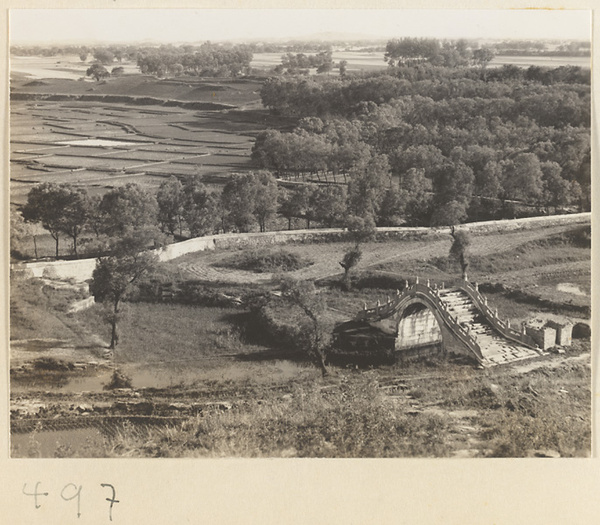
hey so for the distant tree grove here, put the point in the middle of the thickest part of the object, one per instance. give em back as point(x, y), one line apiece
point(206, 60)
point(437, 144)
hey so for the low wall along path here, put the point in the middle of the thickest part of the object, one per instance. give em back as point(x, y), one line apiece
point(81, 269)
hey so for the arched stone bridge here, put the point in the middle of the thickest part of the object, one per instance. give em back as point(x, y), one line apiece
point(417, 314)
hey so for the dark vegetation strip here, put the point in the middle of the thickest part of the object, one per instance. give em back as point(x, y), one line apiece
point(123, 99)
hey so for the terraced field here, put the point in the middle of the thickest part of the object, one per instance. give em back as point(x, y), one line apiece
point(71, 131)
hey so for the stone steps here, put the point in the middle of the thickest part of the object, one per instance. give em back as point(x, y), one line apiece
point(494, 347)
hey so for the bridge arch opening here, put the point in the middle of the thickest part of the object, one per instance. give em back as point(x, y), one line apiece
point(418, 326)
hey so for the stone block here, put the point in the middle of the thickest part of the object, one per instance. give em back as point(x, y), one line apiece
point(545, 337)
point(564, 332)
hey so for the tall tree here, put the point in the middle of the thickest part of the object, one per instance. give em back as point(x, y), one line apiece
point(171, 199)
point(556, 190)
point(238, 201)
point(361, 229)
point(522, 178)
point(329, 205)
point(459, 249)
point(19, 232)
point(199, 208)
point(76, 213)
point(126, 208)
point(113, 278)
point(293, 203)
point(392, 208)
point(60, 208)
point(416, 193)
point(312, 336)
point(265, 199)
point(368, 182)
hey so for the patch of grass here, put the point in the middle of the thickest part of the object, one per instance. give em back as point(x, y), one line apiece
point(353, 419)
point(172, 333)
point(263, 260)
point(517, 434)
point(33, 311)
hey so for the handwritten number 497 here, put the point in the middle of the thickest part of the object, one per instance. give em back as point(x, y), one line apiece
point(70, 492)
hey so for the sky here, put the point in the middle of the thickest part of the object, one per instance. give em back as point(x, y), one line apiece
point(197, 25)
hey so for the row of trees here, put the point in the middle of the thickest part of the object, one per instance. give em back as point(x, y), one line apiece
point(246, 203)
point(541, 48)
point(207, 60)
point(185, 208)
point(446, 53)
point(536, 93)
point(322, 62)
point(66, 210)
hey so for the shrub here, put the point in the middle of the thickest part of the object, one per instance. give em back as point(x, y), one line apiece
point(266, 261)
point(118, 380)
point(350, 419)
point(50, 363)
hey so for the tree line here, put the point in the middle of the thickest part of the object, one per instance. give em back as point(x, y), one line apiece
point(540, 48)
point(452, 144)
point(207, 60)
point(181, 209)
point(301, 63)
point(449, 53)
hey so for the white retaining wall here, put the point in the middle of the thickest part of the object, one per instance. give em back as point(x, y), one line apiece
point(81, 269)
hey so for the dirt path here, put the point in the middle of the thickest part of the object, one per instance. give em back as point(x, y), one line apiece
point(326, 257)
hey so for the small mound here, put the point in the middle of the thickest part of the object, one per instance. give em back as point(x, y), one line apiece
point(35, 83)
point(266, 261)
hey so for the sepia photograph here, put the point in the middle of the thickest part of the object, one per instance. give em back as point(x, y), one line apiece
point(300, 233)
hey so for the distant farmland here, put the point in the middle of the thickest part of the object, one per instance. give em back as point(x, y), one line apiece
point(374, 60)
point(59, 135)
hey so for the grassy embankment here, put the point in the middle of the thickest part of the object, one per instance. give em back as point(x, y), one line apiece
point(414, 412)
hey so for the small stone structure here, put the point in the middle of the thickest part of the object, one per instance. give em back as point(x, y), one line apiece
point(549, 333)
point(564, 332)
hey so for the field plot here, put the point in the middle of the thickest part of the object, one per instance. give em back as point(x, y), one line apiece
point(103, 145)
